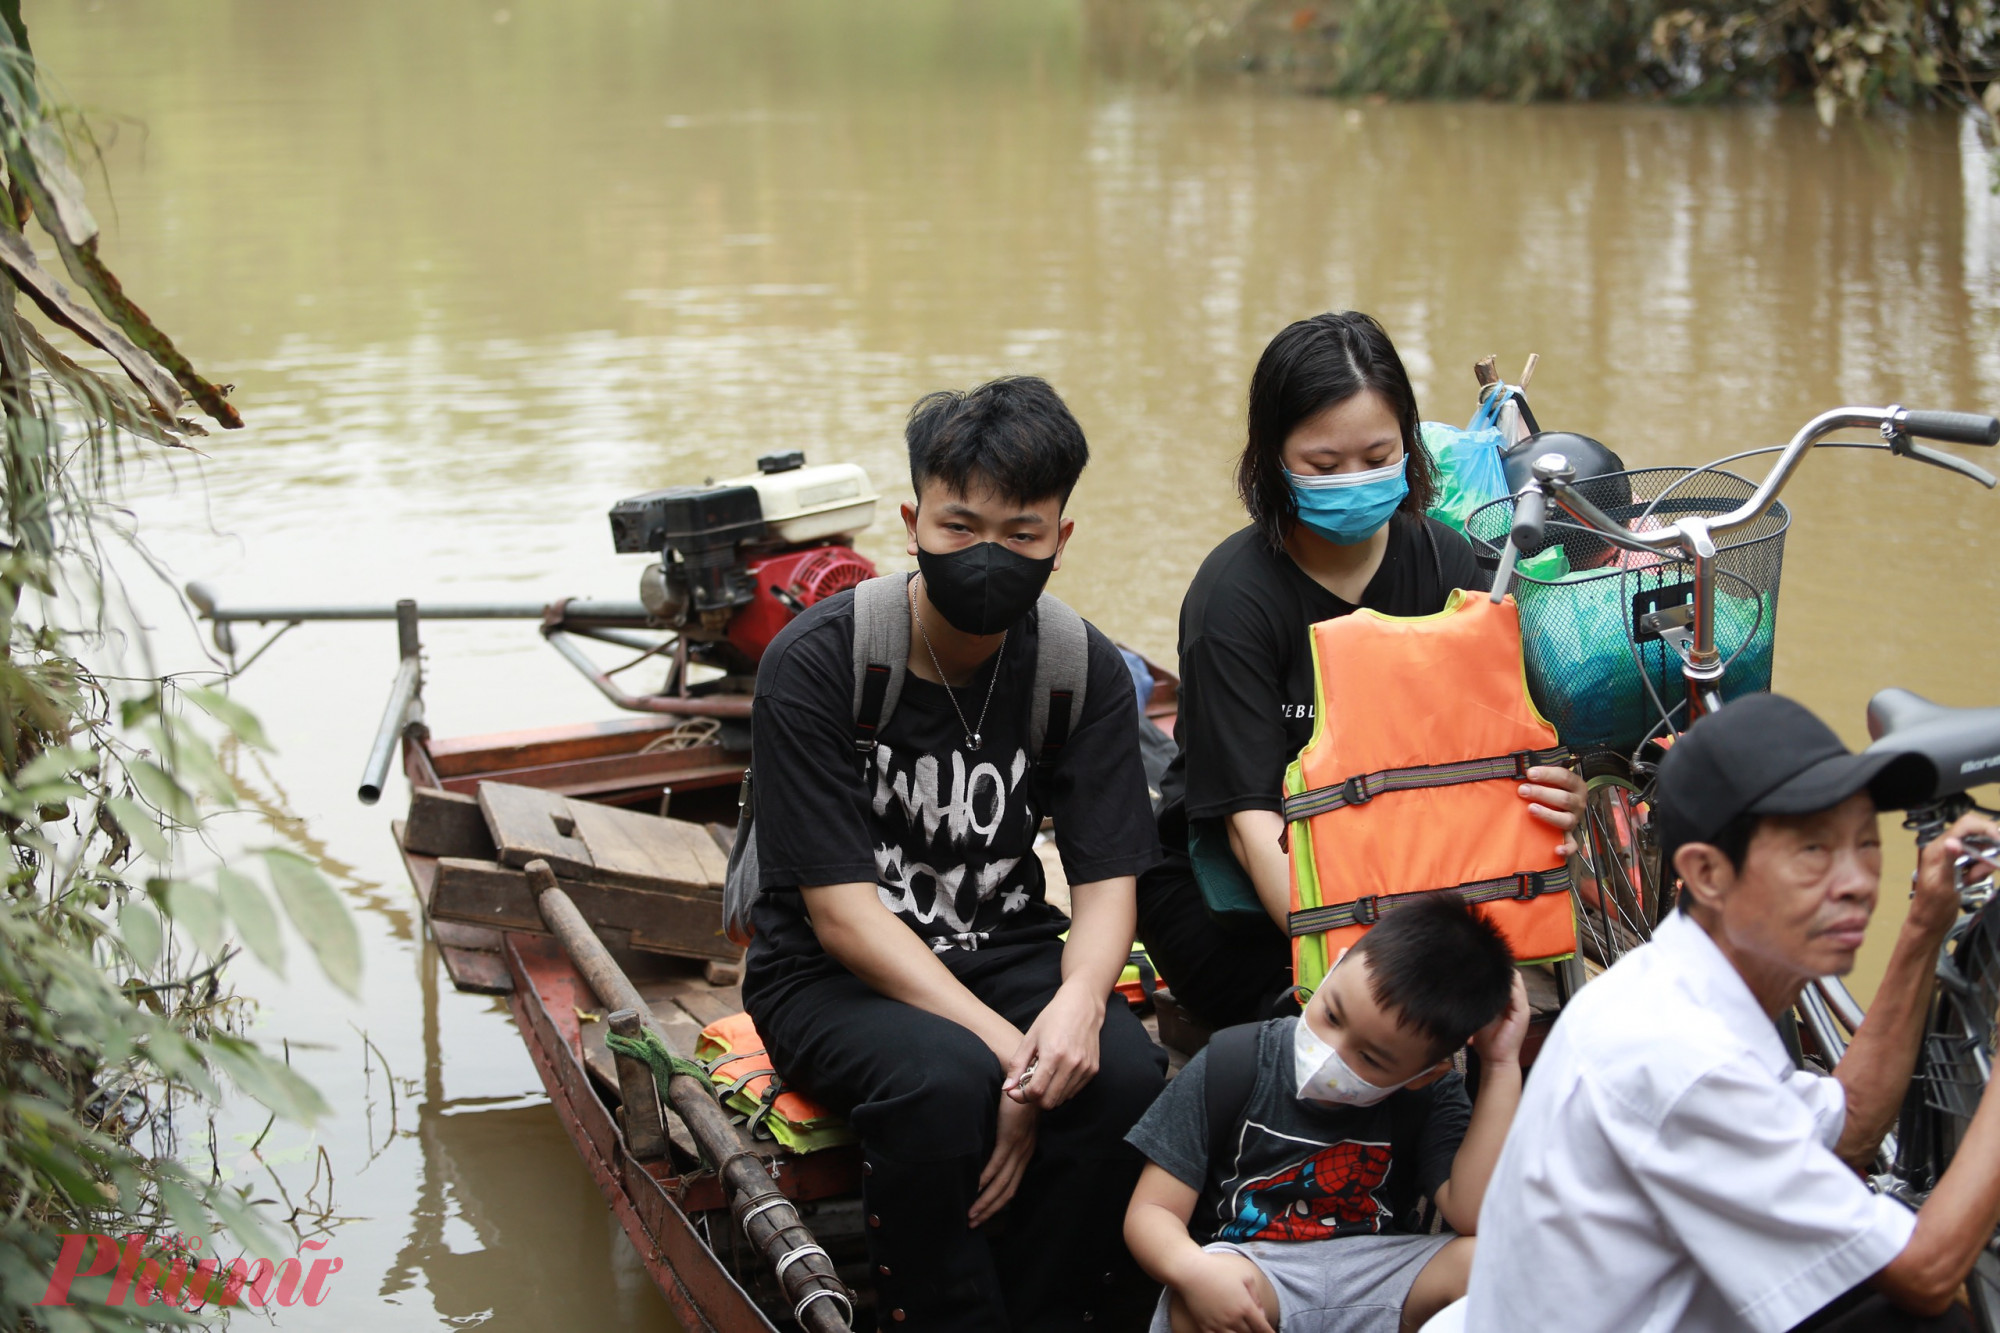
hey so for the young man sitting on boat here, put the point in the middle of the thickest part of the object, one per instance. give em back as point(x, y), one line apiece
point(906, 967)
point(1288, 1160)
point(1670, 1168)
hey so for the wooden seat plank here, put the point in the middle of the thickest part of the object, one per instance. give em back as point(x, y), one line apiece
point(530, 824)
point(644, 851)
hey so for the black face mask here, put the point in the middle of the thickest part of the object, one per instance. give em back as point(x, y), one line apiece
point(983, 589)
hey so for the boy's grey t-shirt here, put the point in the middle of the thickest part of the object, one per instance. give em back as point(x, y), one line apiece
point(1300, 1170)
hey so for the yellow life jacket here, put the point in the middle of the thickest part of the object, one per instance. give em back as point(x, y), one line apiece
point(1422, 733)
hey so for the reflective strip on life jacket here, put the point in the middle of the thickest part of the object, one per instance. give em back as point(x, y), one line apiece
point(1422, 729)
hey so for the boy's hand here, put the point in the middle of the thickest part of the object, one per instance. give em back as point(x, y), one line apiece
point(1556, 796)
point(1220, 1293)
point(1499, 1042)
point(1059, 1054)
point(1011, 1153)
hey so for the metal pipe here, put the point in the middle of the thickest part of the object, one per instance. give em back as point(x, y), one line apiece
point(577, 611)
point(401, 695)
point(730, 706)
point(804, 1270)
point(1842, 1002)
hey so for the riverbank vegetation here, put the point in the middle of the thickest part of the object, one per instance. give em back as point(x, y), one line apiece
point(117, 1020)
point(1852, 56)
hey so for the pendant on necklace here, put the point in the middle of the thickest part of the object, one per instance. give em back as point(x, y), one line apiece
point(973, 740)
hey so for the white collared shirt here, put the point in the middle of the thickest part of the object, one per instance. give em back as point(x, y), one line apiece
point(1670, 1169)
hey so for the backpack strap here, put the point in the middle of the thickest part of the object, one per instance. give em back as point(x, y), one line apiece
point(1062, 667)
point(1230, 1074)
point(881, 655)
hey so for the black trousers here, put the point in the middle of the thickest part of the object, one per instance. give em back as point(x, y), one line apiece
point(924, 1095)
point(1865, 1310)
point(1224, 969)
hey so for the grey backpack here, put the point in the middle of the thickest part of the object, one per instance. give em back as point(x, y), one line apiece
point(881, 657)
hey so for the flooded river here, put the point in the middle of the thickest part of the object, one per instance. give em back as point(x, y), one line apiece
point(480, 269)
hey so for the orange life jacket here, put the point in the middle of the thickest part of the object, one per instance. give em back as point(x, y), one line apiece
point(733, 1053)
point(1422, 733)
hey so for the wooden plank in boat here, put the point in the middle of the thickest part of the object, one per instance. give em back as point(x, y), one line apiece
point(462, 755)
point(645, 851)
point(684, 770)
point(471, 953)
point(484, 893)
point(529, 824)
point(711, 1006)
point(446, 823)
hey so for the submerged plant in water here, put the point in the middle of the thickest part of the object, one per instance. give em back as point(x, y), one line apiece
point(116, 1024)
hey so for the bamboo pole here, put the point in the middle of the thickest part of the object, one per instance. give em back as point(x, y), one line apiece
point(820, 1302)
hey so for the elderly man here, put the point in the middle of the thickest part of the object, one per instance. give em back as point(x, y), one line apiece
point(1668, 1167)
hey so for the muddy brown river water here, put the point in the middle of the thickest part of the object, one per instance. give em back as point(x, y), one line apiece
point(479, 269)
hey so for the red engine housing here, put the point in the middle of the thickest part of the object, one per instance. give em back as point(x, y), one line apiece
point(787, 584)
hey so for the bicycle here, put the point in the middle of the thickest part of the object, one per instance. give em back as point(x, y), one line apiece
point(1690, 530)
point(1963, 746)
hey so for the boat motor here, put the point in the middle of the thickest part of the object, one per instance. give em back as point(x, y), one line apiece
point(738, 558)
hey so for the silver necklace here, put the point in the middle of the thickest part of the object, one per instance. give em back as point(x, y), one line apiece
point(973, 737)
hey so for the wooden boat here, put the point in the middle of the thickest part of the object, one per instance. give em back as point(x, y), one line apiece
point(673, 1209)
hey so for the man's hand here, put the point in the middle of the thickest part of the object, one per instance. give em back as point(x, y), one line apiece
point(1934, 896)
point(1059, 1053)
point(1499, 1042)
point(1556, 797)
point(1220, 1294)
point(1011, 1152)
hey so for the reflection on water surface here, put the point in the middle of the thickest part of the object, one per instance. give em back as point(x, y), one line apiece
point(480, 270)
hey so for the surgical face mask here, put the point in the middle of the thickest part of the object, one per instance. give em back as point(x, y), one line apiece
point(1350, 507)
point(984, 588)
point(1324, 1077)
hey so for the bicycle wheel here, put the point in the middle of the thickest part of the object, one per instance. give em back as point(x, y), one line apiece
point(1618, 892)
point(1953, 1069)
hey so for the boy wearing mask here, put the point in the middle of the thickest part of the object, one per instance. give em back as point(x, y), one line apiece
point(1287, 1163)
point(906, 967)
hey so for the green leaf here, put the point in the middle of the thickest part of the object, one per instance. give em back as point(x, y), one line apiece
point(231, 714)
point(271, 1082)
point(167, 795)
point(58, 761)
point(193, 760)
point(319, 914)
point(141, 930)
point(255, 921)
point(138, 822)
point(185, 1207)
point(244, 1221)
point(200, 911)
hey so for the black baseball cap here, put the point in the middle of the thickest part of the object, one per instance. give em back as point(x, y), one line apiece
point(1765, 754)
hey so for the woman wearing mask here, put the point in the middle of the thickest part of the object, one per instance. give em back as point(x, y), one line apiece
point(1336, 486)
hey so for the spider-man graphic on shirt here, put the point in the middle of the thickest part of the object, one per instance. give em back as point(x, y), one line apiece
point(1335, 1190)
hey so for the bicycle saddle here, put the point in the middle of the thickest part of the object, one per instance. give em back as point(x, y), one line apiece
point(1963, 744)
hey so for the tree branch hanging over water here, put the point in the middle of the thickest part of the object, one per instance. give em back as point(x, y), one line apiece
point(117, 1028)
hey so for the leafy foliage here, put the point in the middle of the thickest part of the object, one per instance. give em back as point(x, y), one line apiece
point(115, 1022)
point(1859, 55)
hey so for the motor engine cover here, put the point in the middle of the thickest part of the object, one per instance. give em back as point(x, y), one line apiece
point(787, 584)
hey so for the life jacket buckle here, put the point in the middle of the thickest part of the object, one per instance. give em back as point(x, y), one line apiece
point(1355, 791)
point(1366, 910)
point(1522, 760)
point(1524, 887)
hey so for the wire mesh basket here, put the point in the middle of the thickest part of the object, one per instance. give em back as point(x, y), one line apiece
point(1958, 1057)
point(1596, 674)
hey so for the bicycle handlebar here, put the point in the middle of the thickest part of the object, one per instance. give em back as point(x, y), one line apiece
point(1896, 425)
point(1530, 508)
point(1953, 427)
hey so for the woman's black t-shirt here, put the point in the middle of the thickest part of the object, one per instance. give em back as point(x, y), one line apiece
point(1246, 700)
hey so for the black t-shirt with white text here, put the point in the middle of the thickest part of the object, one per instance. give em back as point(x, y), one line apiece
point(946, 833)
point(1246, 695)
point(1301, 1170)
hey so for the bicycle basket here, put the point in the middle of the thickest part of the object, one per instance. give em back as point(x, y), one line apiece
point(1589, 665)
